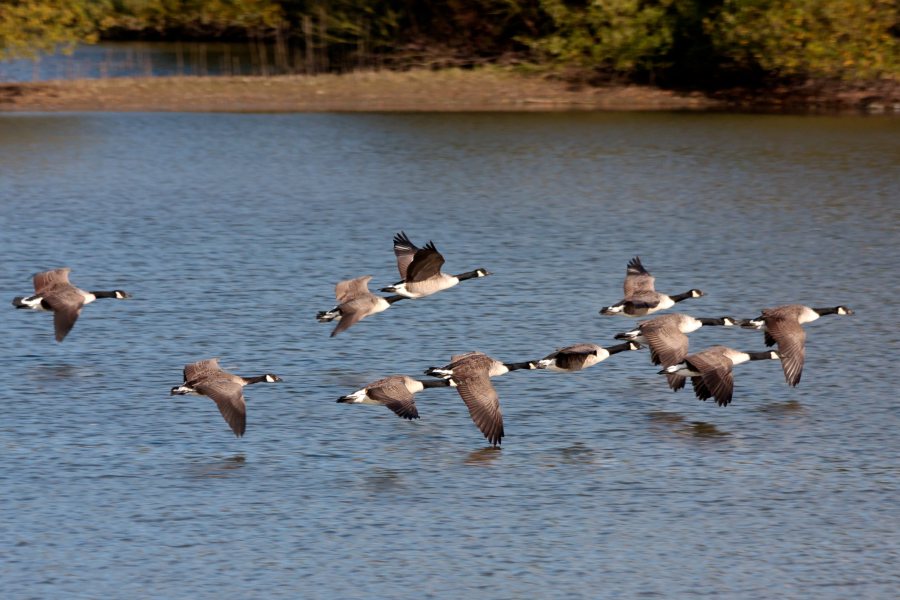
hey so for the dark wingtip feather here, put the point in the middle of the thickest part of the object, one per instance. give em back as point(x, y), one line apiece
point(635, 266)
point(402, 240)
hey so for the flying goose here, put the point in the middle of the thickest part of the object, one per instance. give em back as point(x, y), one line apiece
point(783, 325)
point(641, 298)
point(206, 378)
point(710, 371)
point(420, 270)
point(580, 356)
point(396, 392)
point(665, 335)
point(355, 303)
point(471, 372)
point(54, 292)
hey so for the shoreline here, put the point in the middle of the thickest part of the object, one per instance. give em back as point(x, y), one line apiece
point(450, 90)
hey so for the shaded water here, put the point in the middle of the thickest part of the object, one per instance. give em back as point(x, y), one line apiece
point(231, 230)
point(157, 59)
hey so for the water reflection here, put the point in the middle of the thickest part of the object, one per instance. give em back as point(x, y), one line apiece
point(218, 469)
point(384, 480)
point(776, 409)
point(674, 423)
point(483, 456)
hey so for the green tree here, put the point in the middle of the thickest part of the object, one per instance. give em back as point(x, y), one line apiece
point(835, 39)
point(621, 35)
point(30, 27)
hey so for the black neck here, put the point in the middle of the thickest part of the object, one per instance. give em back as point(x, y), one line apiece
point(618, 348)
point(826, 311)
point(104, 294)
point(467, 275)
point(433, 383)
point(711, 321)
point(396, 298)
point(257, 379)
point(680, 297)
point(519, 365)
point(764, 355)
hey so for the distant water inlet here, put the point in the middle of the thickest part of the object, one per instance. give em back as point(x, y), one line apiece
point(181, 59)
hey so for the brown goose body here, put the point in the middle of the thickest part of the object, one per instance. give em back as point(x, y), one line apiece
point(420, 270)
point(666, 337)
point(711, 373)
point(207, 378)
point(580, 356)
point(471, 373)
point(54, 292)
point(640, 295)
point(783, 325)
point(355, 303)
point(396, 392)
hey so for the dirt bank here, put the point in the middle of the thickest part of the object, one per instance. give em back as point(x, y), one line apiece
point(447, 90)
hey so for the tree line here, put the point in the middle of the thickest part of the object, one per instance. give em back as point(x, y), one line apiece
point(675, 42)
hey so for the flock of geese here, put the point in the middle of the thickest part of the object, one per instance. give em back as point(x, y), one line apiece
point(710, 370)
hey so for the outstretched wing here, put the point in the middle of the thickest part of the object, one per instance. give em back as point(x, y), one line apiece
point(394, 394)
point(64, 320)
point(637, 278)
point(716, 377)
point(352, 288)
point(48, 279)
point(791, 339)
point(668, 345)
point(194, 370)
point(425, 264)
point(484, 405)
point(229, 397)
point(404, 250)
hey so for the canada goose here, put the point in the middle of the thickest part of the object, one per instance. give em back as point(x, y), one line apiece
point(471, 372)
point(641, 298)
point(783, 325)
point(355, 303)
point(396, 392)
point(665, 335)
point(54, 292)
point(710, 370)
point(206, 378)
point(580, 356)
point(420, 270)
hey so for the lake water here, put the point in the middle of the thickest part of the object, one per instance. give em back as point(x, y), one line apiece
point(166, 59)
point(231, 230)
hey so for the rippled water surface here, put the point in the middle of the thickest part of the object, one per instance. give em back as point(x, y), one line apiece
point(231, 230)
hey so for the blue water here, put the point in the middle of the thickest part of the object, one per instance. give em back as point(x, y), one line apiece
point(155, 59)
point(231, 230)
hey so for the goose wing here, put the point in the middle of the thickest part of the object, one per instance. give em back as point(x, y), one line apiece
point(668, 345)
point(354, 311)
point(66, 303)
point(229, 397)
point(637, 278)
point(483, 403)
point(791, 340)
point(48, 279)
point(352, 288)
point(392, 392)
point(404, 250)
point(642, 299)
point(472, 375)
point(193, 371)
point(64, 320)
point(573, 357)
point(426, 263)
point(716, 377)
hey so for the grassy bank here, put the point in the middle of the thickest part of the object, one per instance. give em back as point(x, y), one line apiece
point(445, 90)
